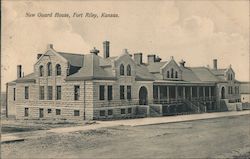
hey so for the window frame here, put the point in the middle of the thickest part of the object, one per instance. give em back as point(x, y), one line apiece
point(102, 113)
point(122, 92)
point(76, 112)
point(58, 111)
point(110, 92)
point(41, 93)
point(50, 93)
point(49, 69)
point(58, 70)
point(101, 92)
point(129, 92)
point(122, 70)
point(123, 111)
point(26, 92)
point(76, 92)
point(26, 112)
point(110, 110)
point(129, 110)
point(128, 70)
point(41, 71)
point(58, 93)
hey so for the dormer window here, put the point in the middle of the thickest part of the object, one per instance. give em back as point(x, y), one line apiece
point(176, 74)
point(58, 70)
point(231, 76)
point(41, 71)
point(122, 70)
point(128, 70)
point(49, 67)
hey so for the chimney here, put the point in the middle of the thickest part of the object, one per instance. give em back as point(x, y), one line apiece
point(38, 56)
point(106, 49)
point(151, 59)
point(182, 63)
point(50, 46)
point(19, 71)
point(94, 51)
point(138, 58)
point(215, 64)
point(157, 59)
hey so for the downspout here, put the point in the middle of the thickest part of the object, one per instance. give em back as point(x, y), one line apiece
point(84, 100)
point(6, 100)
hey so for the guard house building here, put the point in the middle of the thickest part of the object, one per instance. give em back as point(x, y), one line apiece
point(90, 86)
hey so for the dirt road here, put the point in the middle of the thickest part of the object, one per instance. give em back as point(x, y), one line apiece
point(221, 137)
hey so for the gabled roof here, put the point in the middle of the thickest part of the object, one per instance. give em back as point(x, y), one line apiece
point(28, 78)
point(142, 73)
point(204, 74)
point(74, 59)
point(155, 66)
point(218, 71)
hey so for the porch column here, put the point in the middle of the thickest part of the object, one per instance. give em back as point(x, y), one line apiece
point(184, 93)
point(191, 92)
point(168, 93)
point(159, 93)
point(209, 92)
point(204, 93)
point(176, 93)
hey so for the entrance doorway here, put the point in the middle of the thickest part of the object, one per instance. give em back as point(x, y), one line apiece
point(143, 96)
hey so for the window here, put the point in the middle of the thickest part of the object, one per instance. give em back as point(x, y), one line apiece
point(231, 76)
point(14, 94)
point(110, 93)
point(122, 111)
point(122, 92)
point(41, 93)
point(76, 113)
point(102, 112)
point(168, 74)
point(26, 92)
point(101, 92)
point(110, 112)
point(122, 70)
point(50, 93)
point(76, 92)
point(129, 92)
point(58, 70)
point(41, 71)
point(172, 73)
point(129, 110)
point(26, 111)
point(58, 92)
point(49, 67)
point(128, 70)
point(176, 74)
point(49, 111)
point(58, 111)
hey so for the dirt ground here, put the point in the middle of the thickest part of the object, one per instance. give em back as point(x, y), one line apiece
point(213, 138)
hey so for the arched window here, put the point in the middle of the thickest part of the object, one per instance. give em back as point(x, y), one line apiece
point(128, 70)
point(49, 69)
point(41, 71)
point(228, 77)
point(231, 76)
point(172, 73)
point(122, 70)
point(167, 74)
point(58, 70)
point(176, 74)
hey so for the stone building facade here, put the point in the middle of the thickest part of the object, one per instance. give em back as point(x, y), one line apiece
point(88, 86)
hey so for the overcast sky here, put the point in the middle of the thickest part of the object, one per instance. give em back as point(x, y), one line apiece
point(196, 31)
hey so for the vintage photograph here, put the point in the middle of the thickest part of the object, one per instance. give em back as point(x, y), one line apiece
point(125, 79)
